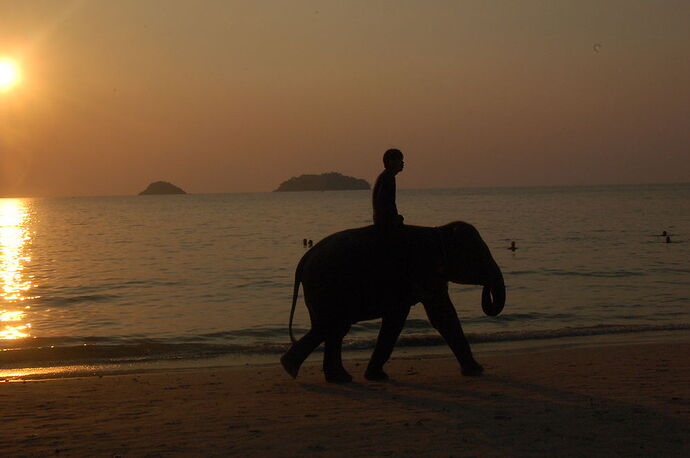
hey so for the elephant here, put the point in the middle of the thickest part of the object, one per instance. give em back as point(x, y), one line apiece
point(365, 273)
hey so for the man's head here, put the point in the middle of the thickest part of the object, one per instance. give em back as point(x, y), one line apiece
point(393, 160)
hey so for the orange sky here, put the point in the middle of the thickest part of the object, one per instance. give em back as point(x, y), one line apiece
point(237, 96)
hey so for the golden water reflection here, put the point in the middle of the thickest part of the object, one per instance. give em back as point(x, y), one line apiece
point(15, 283)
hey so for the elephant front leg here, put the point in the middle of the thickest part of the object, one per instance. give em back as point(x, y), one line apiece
point(391, 326)
point(443, 317)
point(332, 356)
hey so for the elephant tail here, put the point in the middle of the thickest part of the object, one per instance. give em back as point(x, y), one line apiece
point(295, 292)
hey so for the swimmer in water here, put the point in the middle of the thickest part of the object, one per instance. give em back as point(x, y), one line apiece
point(668, 239)
point(512, 246)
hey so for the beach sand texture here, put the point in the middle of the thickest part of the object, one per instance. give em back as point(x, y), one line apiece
point(626, 400)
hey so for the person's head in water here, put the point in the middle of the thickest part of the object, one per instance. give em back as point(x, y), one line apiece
point(393, 160)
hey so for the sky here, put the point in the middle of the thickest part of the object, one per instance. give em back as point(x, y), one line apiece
point(238, 96)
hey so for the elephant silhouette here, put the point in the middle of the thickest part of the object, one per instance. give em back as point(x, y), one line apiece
point(356, 275)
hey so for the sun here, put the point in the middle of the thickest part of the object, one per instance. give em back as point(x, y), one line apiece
point(9, 74)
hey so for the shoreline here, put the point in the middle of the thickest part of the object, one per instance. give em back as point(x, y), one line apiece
point(612, 400)
point(482, 349)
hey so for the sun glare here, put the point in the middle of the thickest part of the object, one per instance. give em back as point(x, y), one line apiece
point(15, 283)
point(9, 74)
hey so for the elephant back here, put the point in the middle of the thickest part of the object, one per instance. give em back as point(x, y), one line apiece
point(341, 253)
point(357, 274)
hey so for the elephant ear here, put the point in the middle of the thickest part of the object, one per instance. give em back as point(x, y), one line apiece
point(458, 230)
point(463, 239)
point(462, 232)
point(457, 236)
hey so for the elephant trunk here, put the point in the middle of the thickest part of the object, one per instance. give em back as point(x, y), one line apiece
point(494, 294)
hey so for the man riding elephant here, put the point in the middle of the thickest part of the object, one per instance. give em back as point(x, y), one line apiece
point(381, 271)
point(386, 217)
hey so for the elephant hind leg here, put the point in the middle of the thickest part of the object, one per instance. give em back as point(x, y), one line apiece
point(299, 351)
point(332, 356)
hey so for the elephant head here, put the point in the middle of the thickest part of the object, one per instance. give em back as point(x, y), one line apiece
point(469, 261)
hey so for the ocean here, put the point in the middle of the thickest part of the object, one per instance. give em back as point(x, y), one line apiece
point(131, 280)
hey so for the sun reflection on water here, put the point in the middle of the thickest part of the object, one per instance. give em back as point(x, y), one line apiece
point(15, 239)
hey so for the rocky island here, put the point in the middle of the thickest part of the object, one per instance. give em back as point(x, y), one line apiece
point(161, 187)
point(332, 181)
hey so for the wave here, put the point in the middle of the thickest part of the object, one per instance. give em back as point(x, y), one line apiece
point(604, 274)
point(57, 351)
point(70, 300)
point(597, 274)
point(516, 336)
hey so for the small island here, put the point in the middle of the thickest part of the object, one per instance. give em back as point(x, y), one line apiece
point(332, 181)
point(161, 187)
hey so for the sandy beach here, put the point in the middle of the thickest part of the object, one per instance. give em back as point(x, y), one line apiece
point(621, 400)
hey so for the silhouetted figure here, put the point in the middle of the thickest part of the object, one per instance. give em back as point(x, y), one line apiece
point(304, 242)
point(664, 234)
point(386, 216)
point(512, 246)
point(668, 239)
point(391, 242)
point(311, 243)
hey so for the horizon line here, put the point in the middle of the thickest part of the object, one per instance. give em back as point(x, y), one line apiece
point(355, 190)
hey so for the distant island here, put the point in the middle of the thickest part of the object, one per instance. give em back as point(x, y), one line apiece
point(161, 187)
point(332, 181)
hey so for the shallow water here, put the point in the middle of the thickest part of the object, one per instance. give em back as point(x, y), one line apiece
point(122, 279)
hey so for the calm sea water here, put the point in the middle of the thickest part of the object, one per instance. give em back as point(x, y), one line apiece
point(121, 279)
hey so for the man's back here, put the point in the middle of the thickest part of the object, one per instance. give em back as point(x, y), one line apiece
point(383, 200)
point(383, 196)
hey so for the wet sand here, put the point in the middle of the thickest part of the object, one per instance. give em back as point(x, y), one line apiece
point(625, 400)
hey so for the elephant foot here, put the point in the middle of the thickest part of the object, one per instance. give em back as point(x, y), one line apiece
point(340, 376)
point(290, 366)
point(472, 369)
point(375, 375)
